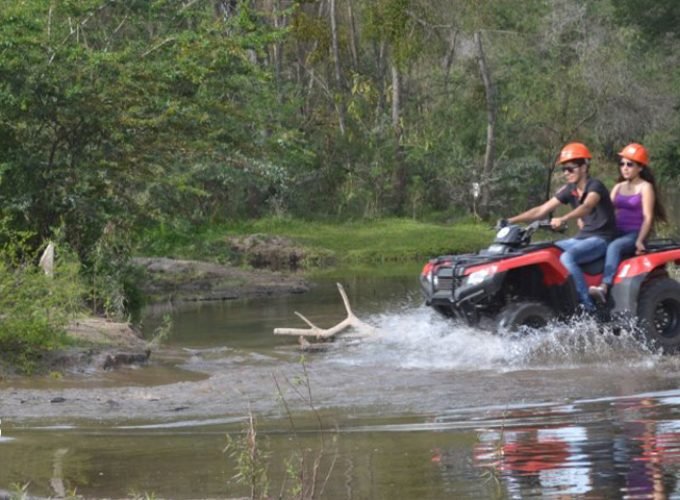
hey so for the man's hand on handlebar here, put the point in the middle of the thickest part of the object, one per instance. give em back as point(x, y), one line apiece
point(556, 223)
point(501, 224)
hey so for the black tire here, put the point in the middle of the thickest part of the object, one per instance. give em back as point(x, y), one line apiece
point(444, 311)
point(524, 317)
point(659, 314)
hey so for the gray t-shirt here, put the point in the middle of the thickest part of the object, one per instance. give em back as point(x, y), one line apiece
point(601, 220)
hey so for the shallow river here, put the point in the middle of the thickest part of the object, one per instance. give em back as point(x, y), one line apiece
point(421, 409)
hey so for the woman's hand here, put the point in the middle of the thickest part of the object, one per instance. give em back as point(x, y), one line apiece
point(640, 247)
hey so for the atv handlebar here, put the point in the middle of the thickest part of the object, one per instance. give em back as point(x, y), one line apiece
point(544, 224)
point(514, 235)
point(530, 229)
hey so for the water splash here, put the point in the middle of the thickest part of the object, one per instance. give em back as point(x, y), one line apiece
point(417, 337)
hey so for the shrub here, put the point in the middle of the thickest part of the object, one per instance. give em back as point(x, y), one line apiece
point(34, 308)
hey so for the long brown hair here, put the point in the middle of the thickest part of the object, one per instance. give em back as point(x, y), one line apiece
point(647, 175)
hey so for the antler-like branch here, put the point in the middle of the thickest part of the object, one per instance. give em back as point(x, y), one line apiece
point(326, 333)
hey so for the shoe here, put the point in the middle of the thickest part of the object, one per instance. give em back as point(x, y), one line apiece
point(599, 293)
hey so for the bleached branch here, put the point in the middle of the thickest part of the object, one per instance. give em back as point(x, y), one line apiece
point(351, 321)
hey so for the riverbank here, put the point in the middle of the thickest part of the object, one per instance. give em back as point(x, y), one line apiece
point(101, 344)
point(91, 344)
point(258, 259)
point(300, 245)
point(182, 280)
point(94, 344)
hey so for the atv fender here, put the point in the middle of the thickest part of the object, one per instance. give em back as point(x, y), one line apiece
point(626, 290)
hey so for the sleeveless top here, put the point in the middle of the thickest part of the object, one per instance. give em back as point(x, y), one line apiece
point(628, 212)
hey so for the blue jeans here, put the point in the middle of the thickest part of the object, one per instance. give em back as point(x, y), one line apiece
point(581, 252)
point(622, 246)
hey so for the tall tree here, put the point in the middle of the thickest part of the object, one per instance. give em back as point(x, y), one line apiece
point(490, 98)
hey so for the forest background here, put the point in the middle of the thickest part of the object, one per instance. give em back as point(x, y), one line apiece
point(122, 123)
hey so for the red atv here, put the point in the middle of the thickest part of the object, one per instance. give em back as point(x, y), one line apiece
point(515, 283)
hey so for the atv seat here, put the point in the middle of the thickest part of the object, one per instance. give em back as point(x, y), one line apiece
point(593, 267)
point(597, 266)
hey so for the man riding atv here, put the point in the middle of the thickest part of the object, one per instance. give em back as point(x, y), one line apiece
point(514, 283)
point(590, 202)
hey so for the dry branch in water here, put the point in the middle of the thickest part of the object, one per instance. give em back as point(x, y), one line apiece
point(327, 333)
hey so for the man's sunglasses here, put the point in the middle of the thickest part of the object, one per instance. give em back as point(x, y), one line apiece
point(626, 164)
point(569, 169)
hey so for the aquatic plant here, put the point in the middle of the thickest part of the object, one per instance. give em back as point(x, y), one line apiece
point(251, 461)
point(304, 466)
point(307, 471)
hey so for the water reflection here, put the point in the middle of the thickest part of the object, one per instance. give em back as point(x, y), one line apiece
point(597, 448)
point(540, 417)
point(626, 448)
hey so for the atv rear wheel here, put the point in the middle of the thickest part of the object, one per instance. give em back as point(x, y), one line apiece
point(523, 316)
point(659, 314)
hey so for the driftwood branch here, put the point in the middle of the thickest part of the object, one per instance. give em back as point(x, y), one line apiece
point(351, 321)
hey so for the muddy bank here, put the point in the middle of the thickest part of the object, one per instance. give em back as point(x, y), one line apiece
point(111, 345)
point(174, 280)
point(98, 345)
point(107, 345)
point(103, 348)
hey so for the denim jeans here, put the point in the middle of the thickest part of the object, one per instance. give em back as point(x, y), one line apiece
point(581, 252)
point(622, 246)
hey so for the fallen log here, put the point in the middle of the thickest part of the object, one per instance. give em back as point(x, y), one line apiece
point(327, 334)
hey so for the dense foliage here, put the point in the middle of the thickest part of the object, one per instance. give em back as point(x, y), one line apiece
point(120, 116)
point(34, 307)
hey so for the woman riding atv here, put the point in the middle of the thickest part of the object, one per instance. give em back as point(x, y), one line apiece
point(637, 208)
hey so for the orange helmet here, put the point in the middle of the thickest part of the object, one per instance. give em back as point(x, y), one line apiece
point(574, 151)
point(635, 152)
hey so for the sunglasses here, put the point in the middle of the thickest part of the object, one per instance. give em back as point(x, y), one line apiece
point(569, 169)
point(626, 164)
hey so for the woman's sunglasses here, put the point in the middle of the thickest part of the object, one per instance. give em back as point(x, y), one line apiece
point(569, 169)
point(626, 164)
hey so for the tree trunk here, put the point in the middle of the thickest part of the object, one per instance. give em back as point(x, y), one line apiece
point(448, 60)
point(380, 69)
point(278, 47)
point(336, 66)
point(399, 167)
point(334, 43)
point(353, 38)
point(489, 154)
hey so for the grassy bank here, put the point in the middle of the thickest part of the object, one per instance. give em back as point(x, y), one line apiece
point(348, 243)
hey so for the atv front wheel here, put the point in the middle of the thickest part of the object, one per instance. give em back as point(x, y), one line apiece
point(524, 315)
point(444, 311)
point(659, 314)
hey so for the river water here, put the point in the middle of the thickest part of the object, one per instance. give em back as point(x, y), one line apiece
point(423, 408)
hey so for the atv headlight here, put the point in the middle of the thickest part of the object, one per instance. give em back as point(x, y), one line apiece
point(479, 276)
point(427, 272)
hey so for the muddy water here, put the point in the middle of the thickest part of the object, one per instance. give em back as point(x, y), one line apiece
point(422, 409)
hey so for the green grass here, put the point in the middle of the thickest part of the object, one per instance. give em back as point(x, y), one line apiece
point(351, 243)
point(380, 240)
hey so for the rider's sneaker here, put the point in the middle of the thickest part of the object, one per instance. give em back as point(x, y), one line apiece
point(599, 293)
